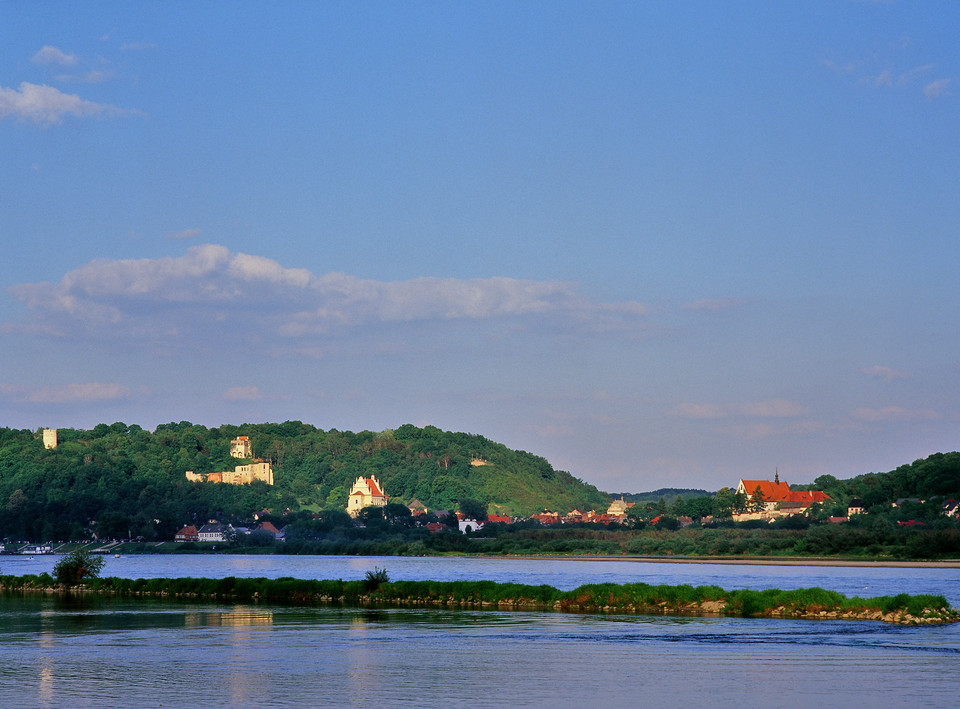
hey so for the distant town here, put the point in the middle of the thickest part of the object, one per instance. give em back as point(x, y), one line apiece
point(754, 516)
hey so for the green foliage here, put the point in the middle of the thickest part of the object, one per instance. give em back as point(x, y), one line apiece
point(119, 481)
point(77, 566)
point(374, 579)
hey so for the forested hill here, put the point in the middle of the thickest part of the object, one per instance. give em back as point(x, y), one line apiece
point(126, 481)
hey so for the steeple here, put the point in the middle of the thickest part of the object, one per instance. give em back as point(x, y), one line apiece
point(776, 475)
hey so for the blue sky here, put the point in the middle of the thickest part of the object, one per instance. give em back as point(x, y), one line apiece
point(659, 244)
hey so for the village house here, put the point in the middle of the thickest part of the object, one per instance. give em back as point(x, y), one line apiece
point(187, 534)
point(855, 507)
point(215, 532)
point(366, 492)
point(951, 508)
point(469, 525)
point(417, 508)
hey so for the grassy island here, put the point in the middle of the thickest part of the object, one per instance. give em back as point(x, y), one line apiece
point(635, 598)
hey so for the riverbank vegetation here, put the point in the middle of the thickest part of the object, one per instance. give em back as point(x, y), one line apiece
point(376, 589)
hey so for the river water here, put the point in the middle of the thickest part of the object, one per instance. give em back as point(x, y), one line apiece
point(115, 653)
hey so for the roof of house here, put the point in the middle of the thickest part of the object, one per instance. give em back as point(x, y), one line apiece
point(772, 491)
point(188, 530)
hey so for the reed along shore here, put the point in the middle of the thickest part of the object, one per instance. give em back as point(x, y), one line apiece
point(629, 598)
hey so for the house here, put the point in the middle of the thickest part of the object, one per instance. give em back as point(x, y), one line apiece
point(547, 517)
point(951, 508)
point(270, 528)
point(366, 492)
point(215, 532)
point(417, 508)
point(187, 534)
point(855, 507)
point(502, 519)
point(469, 525)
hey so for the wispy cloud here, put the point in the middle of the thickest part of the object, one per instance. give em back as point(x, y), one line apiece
point(771, 408)
point(137, 46)
point(69, 393)
point(713, 305)
point(894, 413)
point(935, 89)
point(185, 234)
point(243, 393)
point(761, 430)
point(47, 106)
point(210, 291)
point(885, 373)
point(52, 55)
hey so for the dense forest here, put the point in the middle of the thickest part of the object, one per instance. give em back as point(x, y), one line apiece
point(123, 481)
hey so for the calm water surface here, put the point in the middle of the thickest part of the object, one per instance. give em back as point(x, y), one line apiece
point(113, 653)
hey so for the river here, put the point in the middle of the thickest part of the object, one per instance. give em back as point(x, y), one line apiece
point(115, 653)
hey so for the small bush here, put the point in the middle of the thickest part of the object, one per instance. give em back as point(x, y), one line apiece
point(77, 566)
point(374, 578)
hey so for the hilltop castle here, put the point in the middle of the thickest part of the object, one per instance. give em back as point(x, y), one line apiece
point(240, 447)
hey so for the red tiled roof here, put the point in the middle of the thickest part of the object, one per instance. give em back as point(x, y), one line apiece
point(374, 488)
point(772, 492)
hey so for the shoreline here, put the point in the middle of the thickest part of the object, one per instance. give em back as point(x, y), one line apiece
point(747, 561)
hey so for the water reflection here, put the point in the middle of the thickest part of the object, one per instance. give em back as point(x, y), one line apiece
point(85, 650)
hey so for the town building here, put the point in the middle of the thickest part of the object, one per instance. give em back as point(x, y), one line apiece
point(244, 474)
point(619, 507)
point(366, 492)
point(778, 500)
point(241, 447)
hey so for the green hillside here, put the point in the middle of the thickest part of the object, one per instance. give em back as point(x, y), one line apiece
point(122, 481)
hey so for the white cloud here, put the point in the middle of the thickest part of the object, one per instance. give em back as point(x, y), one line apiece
point(52, 55)
point(885, 373)
point(243, 393)
point(895, 413)
point(935, 89)
point(772, 408)
point(69, 393)
point(210, 291)
point(47, 106)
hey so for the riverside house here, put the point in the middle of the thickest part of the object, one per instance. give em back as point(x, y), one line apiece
point(366, 492)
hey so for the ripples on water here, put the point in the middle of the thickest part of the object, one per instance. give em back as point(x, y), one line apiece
point(113, 653)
